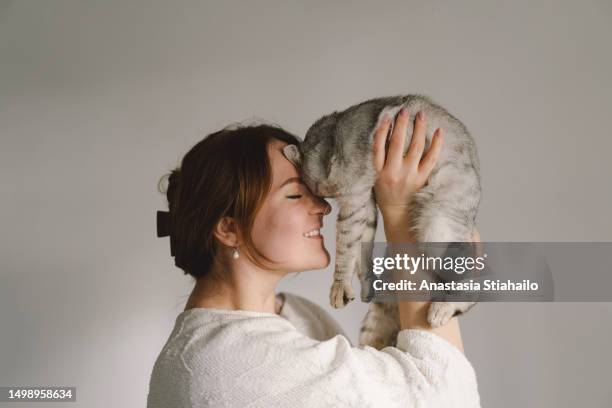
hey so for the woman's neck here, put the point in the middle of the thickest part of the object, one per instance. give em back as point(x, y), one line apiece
point(246, 290)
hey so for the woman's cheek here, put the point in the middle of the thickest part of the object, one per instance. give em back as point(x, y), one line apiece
point(283, 225)
point(290, 224)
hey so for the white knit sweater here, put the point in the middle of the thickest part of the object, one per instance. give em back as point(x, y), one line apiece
point(300, 358)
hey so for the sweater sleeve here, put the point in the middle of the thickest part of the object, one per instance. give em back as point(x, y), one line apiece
point(435, 368)
point(266, 362)
point(424, 370)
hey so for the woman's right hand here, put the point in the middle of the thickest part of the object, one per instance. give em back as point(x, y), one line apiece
point(399, 177)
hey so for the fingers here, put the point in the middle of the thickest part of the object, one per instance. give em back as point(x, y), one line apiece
point(393, 159)
point(417, 144)
point(380, 140)
point(395, 155)
point(431, 157)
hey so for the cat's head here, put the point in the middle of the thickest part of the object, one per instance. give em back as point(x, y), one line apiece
point(320, 158)
point(335, 157)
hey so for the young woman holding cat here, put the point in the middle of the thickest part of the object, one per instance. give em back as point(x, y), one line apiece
point(241, 220)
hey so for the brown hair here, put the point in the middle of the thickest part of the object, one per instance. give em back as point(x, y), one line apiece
point(228, 173)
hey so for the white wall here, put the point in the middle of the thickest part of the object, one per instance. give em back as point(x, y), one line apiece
point(99, 99)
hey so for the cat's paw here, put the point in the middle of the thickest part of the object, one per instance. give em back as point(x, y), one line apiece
point(341, 294)
point(439, 313)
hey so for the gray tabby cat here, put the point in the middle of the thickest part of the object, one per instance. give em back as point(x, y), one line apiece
point(336, 161)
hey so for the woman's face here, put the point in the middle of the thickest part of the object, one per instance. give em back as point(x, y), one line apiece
point(287, 214)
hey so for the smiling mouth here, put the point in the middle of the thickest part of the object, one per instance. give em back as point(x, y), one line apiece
point(313, 234)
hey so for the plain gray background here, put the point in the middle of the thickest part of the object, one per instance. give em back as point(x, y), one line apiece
point(98, 99)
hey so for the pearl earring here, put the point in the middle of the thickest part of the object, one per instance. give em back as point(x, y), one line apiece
point(236, 254)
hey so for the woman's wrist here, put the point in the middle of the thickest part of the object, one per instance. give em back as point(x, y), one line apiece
point(396, 221)
point(412, 314)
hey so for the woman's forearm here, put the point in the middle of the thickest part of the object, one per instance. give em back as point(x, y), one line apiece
point(413, 314)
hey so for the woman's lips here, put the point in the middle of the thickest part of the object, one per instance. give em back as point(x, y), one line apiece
point(319, 237)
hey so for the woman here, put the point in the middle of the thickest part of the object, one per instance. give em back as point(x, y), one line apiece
point(241, 220)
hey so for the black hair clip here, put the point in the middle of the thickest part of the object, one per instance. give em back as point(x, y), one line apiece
point(164, 228)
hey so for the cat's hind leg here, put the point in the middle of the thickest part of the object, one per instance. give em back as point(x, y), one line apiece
point(380, 325)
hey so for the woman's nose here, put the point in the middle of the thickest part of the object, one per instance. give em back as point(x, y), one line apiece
point(322, 206)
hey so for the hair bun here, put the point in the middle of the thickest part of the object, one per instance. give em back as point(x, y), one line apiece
point(163, 185)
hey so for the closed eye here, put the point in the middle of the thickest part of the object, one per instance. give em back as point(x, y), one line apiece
point(294, 197)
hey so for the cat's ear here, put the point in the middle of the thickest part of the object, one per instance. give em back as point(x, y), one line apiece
point(292, 153)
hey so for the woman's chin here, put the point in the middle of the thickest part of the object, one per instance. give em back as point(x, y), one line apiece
point(313, 258)
point(318, 260)
point(325, 259)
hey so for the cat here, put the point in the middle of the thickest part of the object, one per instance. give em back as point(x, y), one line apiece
point(336, 161)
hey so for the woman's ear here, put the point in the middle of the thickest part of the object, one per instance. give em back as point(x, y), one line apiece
point(226, 232)
point(292, 153)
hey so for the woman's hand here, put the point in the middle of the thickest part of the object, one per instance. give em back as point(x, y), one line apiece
point(399, 177)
